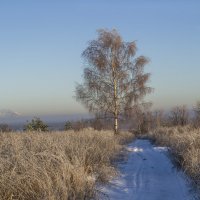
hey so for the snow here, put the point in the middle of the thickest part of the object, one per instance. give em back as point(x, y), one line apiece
point(148, 174)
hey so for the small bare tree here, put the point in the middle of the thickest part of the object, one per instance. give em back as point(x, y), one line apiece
point(142, 118)
point(179, 116)
point(158, 116)
point(197, 114)
point(114, 80)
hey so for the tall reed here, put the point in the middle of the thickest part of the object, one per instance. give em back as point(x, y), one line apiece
point(56, 165)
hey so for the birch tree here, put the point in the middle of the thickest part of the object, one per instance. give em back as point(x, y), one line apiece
point(114, 80)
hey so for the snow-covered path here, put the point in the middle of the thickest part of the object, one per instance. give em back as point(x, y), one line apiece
point(148, 174)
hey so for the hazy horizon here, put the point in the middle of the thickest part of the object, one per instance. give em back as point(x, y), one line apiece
point(42, 42)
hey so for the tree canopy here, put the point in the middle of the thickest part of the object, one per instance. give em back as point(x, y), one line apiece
point(114, 79)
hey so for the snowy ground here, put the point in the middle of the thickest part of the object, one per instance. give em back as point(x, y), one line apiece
point(148, 174)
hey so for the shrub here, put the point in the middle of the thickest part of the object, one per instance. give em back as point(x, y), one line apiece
point(36, 124)
point(179, 116)
point(68, 126)
point(4, 128)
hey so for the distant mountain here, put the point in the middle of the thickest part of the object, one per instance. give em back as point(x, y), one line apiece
point(4, 113)
point(55, 122)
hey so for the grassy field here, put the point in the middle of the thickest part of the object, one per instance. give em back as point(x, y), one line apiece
point(185, 145)
point(57, 165)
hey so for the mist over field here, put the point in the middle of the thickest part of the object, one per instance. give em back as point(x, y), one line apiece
point(55, 122)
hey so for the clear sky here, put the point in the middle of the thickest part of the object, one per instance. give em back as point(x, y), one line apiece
point(41, 42)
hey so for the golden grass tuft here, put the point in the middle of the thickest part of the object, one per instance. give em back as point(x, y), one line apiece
point(56, 165)
point(185, 145)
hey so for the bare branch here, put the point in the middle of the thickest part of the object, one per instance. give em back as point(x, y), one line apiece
point(115, 80)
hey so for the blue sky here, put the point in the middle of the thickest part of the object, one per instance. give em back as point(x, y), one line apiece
point(41, 42)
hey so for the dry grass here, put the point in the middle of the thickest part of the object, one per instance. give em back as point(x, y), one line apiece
point(57, 165)
point(185, 145)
